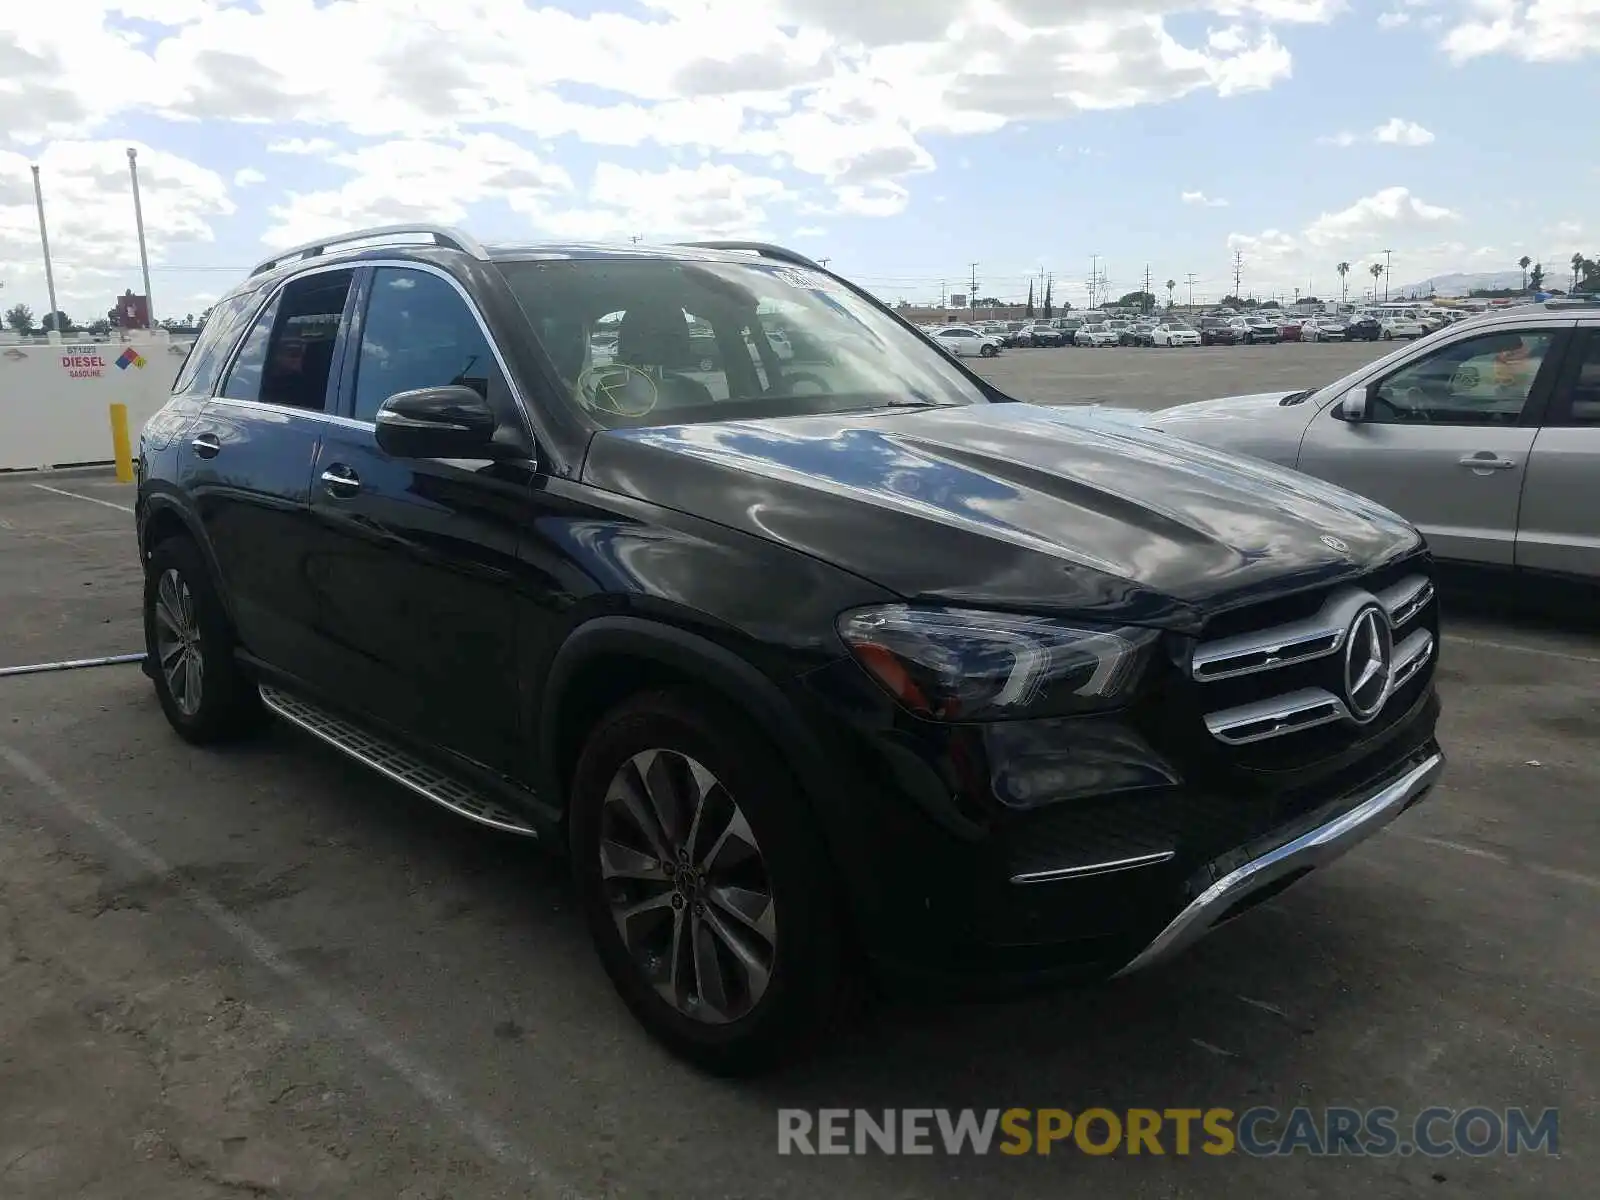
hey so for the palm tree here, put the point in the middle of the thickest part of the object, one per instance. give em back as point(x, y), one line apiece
point(1171, 284)
point(1377, 273)
point(1524, 262)
point(1344, 284)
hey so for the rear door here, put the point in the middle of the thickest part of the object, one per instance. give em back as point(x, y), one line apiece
point(249, 457)
point(1559, 528)
point(1447, 440)
point(414, 562)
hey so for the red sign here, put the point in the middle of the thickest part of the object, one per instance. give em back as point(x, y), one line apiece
point(82, 362)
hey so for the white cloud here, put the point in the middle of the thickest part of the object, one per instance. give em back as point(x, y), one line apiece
point(1535, 30)
point(310, 146)
point(248, 177)
point(847, 91)
point(1398, 132)
point(413, 180)
point(1202, 199)
point(89, 207)
point(1393, 20)
point(1391, 210)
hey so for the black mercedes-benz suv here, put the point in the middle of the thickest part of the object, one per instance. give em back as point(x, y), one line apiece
point(812, 660)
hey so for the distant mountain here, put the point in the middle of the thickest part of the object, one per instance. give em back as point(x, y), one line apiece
point(1459, 284)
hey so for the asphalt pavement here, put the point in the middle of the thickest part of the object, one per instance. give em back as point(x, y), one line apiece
point(266, 971)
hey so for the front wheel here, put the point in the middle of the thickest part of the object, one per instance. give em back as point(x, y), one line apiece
point(189, 645)
point(986, 352)
point(705, 882)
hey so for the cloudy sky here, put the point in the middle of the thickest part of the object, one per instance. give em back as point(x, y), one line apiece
point(902, 139)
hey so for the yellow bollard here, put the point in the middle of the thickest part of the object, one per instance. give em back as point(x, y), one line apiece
point(121, 447)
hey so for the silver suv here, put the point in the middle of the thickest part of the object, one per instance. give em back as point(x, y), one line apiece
point(1485, 434)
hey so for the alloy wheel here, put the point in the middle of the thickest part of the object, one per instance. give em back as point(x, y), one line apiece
point(687, 886)
point(178, 642)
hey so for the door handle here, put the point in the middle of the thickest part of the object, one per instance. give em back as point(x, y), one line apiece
point(339, 480)
point(206, 445)
point(1487, 460)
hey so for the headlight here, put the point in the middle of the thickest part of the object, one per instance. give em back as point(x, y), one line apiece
point(954, 664)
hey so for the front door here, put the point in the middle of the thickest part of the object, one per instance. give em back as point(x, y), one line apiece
point(248, 461)
point(1447, 439)
point(412, 578)
point(1559, 529)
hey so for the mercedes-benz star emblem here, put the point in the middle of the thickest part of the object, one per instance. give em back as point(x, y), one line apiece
point(1368, 663)
point(1337, 545)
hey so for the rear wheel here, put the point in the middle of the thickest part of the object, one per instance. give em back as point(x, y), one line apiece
point(704, 881)
point(986, 352)
point(203, 691)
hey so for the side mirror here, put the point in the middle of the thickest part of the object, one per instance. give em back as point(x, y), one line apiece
point(1352, 406)
point(436, 422)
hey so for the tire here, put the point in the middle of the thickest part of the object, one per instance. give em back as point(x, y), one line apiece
point(753, 1031)
point(986, 352)
point(189, 641)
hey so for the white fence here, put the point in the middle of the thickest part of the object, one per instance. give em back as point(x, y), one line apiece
point(56, 396)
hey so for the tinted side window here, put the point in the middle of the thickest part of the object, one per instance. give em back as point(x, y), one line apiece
point(210, 349)
point(1480, 381)
point(1584, 406)
point(244, 379)
point(288, 354)
point(418, 333)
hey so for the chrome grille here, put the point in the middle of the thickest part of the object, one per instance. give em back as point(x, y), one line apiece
point(1306, 641)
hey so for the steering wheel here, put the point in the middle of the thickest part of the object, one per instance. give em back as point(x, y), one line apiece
point(617, 389)
point(796, 378)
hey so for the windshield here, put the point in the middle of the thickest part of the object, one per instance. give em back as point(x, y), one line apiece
point(707, 340)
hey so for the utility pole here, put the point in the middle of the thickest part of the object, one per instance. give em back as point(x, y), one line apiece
point(1386, 255)
point(972, 289)
point(823, 262)
point(1190, 280)
point(1151, 295)
point(1094, 281)
point(943, 302)
point(44, 238)
point(1238, 272)
point(138, 220)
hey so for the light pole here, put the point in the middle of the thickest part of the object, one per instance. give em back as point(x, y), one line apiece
point(138, 219)
point(44, 240)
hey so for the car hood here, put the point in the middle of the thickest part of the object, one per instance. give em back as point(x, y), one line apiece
point(1011, 505)
point(1259, 424)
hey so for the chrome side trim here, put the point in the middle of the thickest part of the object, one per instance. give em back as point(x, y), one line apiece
point(1319, 846)
point(1406, 599)
point(310, 414)
point(392, 762)
point(1275, 716)
point(1281, 645)
point(1410, 656)
point(1100, 868)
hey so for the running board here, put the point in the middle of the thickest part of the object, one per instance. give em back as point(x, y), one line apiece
point(390, 760)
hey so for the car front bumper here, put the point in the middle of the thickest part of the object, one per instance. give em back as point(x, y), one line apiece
point(988, 857)
point(1262, 876)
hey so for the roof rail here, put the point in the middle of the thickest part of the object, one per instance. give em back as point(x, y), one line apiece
point(442, 235)
point(765, 249)
point(1577, 300)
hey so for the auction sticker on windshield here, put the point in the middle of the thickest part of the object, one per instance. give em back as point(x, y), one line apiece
point(803, 277)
